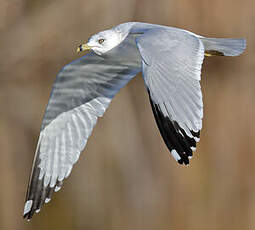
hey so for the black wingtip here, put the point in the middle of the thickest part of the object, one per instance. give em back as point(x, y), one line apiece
point(184, 161)
point(39, 195)
point(37, 192)
point(178, 142)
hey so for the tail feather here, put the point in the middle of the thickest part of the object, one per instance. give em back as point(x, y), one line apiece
point(223, 46)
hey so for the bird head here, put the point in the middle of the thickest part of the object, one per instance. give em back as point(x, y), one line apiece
point(102, 42)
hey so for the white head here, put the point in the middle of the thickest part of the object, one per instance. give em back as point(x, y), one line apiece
point(103, 41)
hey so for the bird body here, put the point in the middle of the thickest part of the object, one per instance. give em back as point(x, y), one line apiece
point(170, 60)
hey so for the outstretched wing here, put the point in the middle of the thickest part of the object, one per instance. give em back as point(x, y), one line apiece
point(172, 61)
point(81, 93)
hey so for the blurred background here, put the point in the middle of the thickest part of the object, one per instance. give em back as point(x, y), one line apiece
point(126, 178)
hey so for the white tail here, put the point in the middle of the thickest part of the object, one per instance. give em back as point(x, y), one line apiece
point(223, 46)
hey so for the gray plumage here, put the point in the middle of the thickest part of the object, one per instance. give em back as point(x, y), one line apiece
point(170, 60)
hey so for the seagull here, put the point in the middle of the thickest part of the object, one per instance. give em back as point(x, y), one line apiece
point(170, 60)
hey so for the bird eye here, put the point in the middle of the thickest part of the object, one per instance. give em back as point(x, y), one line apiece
point(100, 41)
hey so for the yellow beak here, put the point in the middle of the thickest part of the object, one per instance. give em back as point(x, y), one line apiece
point(83, 47)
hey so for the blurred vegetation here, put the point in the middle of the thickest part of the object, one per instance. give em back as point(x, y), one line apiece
point(126, 179)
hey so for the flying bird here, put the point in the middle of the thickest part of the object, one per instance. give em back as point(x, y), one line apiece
point(170, 60)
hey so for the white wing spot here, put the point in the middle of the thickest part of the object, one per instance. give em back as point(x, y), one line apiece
point(196, 139)
point(28, 206)
point(193, 149)
point(175, 155)
point(47, 200)
point(57, 188)
point(38, 210)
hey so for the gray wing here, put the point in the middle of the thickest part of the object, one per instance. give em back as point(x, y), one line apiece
point(81, 93)
point(172, 61)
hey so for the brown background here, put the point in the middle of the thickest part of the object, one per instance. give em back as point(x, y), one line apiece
point(126, 179)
